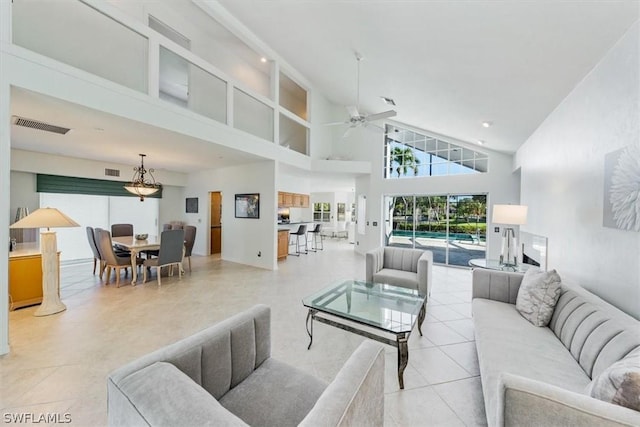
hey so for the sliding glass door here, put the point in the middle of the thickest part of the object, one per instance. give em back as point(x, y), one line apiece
point(453, 227)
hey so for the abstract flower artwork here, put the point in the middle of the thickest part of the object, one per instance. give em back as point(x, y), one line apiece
point(622, 189)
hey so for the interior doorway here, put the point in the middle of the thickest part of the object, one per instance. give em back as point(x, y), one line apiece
point(215, 200)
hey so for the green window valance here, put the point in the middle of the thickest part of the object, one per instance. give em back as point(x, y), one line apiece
point(73, 185)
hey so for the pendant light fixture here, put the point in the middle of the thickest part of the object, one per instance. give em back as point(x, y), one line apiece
point(140, 185)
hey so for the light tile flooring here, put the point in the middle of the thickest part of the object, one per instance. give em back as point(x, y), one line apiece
point(59, 364)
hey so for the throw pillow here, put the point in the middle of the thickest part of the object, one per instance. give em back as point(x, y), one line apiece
point(619, 383)
point(538, 295)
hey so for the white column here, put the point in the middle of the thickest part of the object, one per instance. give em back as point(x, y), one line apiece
point(275, 95)
point(230, 89)
point(153, 67)
point(5, 167)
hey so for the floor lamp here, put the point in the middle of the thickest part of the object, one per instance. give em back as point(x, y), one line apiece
point(48, 218)
point(509, 215)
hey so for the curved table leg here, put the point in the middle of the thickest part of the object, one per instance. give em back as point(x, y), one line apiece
point(309, 326)
point(421, 316)
point(403, 357)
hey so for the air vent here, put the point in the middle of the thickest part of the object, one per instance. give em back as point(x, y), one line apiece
point(111, 172)
point(34, 124)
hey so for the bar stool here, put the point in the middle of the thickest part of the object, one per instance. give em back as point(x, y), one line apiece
point(302, 232)
point(314, 239)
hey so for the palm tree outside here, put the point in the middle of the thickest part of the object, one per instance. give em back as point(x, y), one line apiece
point(403, 159)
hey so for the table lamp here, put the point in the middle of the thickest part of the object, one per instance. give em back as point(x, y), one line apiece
point(509, 215)
point(48, 218)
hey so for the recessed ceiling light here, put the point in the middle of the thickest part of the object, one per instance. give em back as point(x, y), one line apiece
point(263, 59)
point(486, 124)
point(480, 142)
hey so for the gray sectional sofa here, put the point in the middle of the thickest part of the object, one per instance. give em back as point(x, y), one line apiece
point(409, 268)
point(224, 376)
point(538, 376)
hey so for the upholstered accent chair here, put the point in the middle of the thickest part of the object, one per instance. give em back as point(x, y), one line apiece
point(409, 268)
point(225, 375)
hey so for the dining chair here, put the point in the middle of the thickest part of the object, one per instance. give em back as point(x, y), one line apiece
point(314, 238)
point(97, 259)
point(112, 261)
point(189, 240)
point(170, 253)
point(96, 239)
point(119, 230)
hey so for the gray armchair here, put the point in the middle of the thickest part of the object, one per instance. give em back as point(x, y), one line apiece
point(409, 268)
point(224, 375)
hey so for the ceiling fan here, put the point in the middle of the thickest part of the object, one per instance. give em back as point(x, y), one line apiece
point(355, 118)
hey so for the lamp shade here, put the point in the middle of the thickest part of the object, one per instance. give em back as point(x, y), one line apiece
point(509, 214)
point(45, 218)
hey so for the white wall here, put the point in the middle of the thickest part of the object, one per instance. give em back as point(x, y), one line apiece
point(5, 189)
point(242, 238)
point(22, 193)
point(172, 205)
point(562, 166)
point(30, 161)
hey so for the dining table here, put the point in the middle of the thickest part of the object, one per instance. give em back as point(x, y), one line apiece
point(135, 246)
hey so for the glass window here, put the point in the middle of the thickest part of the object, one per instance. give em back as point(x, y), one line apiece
point(410, 154)
point(322, 212)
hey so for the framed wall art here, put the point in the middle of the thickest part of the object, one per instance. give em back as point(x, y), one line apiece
point(248, 205)
point(192, 205)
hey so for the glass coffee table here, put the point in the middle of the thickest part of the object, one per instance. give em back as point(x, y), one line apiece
point(372, 310)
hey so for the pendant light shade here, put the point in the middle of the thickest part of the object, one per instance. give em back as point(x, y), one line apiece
point(141, 185)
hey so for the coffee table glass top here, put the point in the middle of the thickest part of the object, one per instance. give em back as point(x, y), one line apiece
point(387, 307)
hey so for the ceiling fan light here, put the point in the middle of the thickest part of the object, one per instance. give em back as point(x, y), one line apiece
point(388, 101)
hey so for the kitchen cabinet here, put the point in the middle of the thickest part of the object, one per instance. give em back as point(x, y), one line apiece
point(292, 200)
point(283, 244)
point(25, 276)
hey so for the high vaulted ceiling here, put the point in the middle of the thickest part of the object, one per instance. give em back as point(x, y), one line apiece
point(449, 65)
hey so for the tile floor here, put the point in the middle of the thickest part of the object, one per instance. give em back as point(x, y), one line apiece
point(59, 364)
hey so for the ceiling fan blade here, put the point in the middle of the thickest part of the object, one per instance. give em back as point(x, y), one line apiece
point(353, 111)
point(383, 115)
point(347, 132)
point(335, 123)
